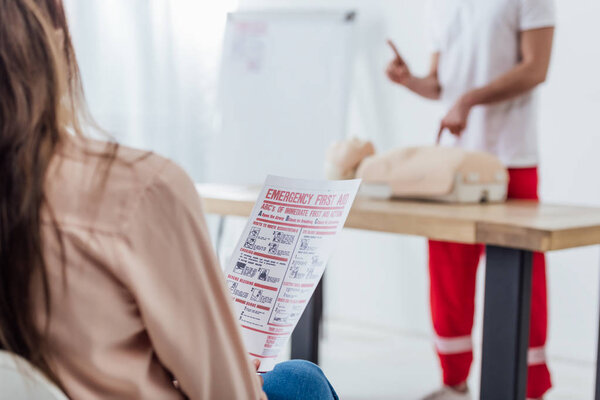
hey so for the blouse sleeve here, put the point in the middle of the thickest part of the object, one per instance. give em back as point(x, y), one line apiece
point(173, 273)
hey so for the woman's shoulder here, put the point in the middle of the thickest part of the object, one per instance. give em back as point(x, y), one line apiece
point(92, 153)
point(99, 183)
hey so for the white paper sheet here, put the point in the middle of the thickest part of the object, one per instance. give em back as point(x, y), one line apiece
point(281, 256)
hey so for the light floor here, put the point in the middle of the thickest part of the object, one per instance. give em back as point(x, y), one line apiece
point(367, 364)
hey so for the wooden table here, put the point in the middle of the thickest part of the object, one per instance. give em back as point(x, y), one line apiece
point(511, 231)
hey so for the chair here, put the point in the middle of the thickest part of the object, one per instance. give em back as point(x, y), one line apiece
point(19, 380)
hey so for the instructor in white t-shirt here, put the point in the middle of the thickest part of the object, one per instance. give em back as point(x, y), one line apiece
point(488, 58)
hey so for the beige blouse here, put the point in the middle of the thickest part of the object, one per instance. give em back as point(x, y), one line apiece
point(141, 299)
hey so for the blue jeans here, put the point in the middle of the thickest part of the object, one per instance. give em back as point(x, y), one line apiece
point(298, 380)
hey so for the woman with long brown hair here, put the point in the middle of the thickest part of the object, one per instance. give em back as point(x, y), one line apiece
point(108, 282)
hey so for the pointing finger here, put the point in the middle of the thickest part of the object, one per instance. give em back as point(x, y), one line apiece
point(396, 52)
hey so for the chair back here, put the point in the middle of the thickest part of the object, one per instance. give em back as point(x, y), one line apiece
point(19, 380)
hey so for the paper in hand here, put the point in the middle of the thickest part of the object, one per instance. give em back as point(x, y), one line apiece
point(281, 256)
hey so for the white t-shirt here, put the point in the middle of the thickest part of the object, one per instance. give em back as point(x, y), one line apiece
point(478, 41)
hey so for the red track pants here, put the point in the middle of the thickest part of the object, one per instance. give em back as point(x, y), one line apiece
point(453, 270)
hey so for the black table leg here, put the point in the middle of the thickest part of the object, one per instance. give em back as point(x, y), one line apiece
point(305, 339)
point(506, 323)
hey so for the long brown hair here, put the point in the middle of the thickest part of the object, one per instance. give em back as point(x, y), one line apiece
point(41, 106)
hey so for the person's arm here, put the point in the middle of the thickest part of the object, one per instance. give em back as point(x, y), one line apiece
point(427, 86)
point(536, 49)
point(168, 263)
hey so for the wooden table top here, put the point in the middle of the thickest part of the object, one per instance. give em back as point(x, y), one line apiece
point(516, 224)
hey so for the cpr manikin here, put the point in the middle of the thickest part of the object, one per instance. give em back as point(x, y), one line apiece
point(437, 173)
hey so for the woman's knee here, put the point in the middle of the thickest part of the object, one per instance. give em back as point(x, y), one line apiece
point(301, 367)
point(298, 379)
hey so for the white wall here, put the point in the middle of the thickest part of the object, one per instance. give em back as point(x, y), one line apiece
point(381, 279)
point(569, 145)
